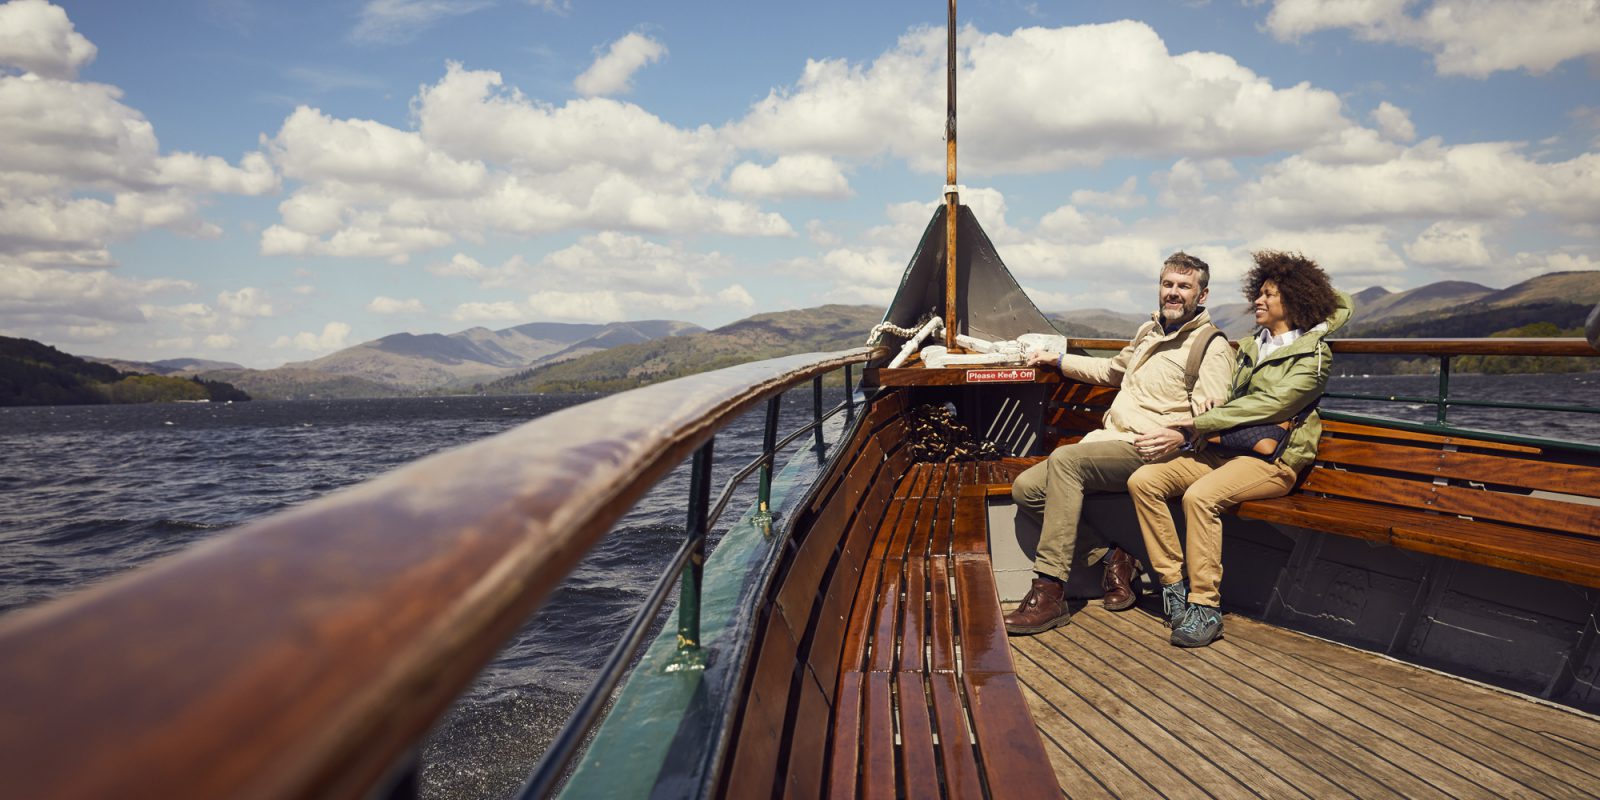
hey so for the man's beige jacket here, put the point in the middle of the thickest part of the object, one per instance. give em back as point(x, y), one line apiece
point(1150, 372)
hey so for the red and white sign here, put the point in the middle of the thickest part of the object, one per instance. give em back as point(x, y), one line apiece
point(1021, 375)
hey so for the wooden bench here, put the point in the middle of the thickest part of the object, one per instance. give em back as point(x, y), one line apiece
point(884, 669)
point(1509, 506)
point(1522, 508)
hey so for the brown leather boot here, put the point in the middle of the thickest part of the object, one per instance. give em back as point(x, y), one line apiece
point(1044, 608)
point(1118, 581)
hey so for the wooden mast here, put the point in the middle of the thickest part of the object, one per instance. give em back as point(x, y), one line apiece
point(951, 200)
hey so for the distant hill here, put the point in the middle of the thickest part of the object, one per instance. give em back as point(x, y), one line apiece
point(285, 383)
point(169, 366)
point(32, 373)
point(407, 362)
point(1456, 308)
point(821, 329)
point(1098, 323)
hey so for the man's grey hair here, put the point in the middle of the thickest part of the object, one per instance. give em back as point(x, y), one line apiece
point(1185, 263)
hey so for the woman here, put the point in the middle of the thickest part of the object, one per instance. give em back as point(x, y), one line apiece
point(1279, 374)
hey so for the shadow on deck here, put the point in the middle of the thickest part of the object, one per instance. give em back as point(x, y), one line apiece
point(1273, 713)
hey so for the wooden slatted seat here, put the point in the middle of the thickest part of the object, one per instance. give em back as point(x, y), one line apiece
point(1508, 506)
point(926, 668)
point(886, 639)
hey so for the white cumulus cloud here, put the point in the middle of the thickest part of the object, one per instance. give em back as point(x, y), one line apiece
point(1466, 37)
point(36, 37)
point(334, 336)
point(1131, 97)
point(247, 302)
point(612, 72)
point(390, 305)
point(1394, 122)
point(1450, 244)
point(791, 176)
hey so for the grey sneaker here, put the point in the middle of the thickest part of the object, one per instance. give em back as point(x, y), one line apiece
point(1200, 626)
point(1174, 601)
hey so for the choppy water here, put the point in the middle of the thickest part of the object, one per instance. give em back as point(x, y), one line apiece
point(87, 491)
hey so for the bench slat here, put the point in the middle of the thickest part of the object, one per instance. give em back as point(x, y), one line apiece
point(971, 523)
point(912, 612)
point(1549, 476)
point(1006, 729)
point(1350, 518)
point(920, 773)
point(805, 758)
point(800, 585)
point(983, 631)
point(881, 658)
point(955, 743)
point(877, 738)
point(1576, 518)
point(845, 764)
point(1357, 429)
point(943, 638)
point(1546, 555)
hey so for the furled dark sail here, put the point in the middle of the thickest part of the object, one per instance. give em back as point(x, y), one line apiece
point(989, 302)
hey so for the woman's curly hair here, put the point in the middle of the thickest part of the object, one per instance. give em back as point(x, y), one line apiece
point(1303, 287)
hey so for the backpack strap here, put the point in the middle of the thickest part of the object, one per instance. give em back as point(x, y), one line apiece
point(1197, 353)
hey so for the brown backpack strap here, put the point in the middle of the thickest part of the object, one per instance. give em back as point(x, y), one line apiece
point(1197, 353)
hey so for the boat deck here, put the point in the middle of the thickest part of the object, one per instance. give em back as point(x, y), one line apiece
point(1273, 713)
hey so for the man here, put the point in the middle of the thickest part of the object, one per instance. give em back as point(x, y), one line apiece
point(1151, 374)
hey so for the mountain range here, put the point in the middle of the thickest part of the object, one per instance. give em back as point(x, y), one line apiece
point(1445, 308)
point(551, 356)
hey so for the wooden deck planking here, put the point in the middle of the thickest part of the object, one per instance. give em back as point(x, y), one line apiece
point(1272, 713)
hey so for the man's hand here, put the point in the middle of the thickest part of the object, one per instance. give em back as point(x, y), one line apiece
point(1202, 404)
point(1159, 443)
point(1039, 358)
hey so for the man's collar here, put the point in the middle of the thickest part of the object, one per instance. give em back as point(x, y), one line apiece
point(1178, 326)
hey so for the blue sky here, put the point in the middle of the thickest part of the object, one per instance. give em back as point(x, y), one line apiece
point(269, 182)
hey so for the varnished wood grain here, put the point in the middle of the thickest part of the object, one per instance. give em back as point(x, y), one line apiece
point(1013, 755)
point(1576, 518)
point(1358, 429)
point(983, 631)
point(307, 653)
point(1509, 346)
point(1484, 468)
point(878, 773)
point(807, 756)
point(955, 742)
point(844, 744)
point(918, 769)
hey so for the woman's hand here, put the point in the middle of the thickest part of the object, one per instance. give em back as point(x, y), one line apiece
point(1202, 404)
point(1159, 443)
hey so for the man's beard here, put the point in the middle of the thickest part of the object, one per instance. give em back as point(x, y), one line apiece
point(1184, 311)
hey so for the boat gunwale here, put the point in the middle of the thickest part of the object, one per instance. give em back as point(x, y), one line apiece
point(320, 644)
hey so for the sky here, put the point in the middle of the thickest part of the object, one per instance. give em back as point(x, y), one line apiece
point(268, 182)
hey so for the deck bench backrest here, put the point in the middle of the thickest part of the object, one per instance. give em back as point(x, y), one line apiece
point(886, 639)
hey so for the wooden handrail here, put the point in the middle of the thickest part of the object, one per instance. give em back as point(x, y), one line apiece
point(305, 654)
point(1421, 347)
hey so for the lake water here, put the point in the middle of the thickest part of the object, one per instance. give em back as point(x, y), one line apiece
point(89, 491)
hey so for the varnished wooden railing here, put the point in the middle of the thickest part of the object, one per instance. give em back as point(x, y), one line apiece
point(306, 654)
point(1421, 347)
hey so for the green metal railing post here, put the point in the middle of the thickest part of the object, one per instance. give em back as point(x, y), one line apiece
point(849, 393)
point(769, 444)
point(689, 653)
point(816, 408)
point(1444, 390)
